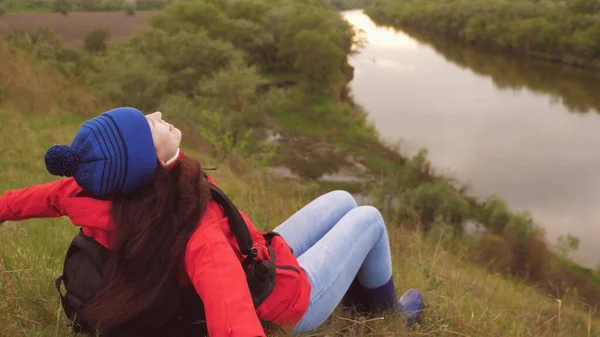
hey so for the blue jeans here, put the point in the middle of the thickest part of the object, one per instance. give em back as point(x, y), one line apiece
point(335, 241)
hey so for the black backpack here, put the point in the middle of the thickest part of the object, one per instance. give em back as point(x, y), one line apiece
point(180, 313)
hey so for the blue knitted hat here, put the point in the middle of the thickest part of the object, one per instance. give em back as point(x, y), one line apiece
point(111, 154)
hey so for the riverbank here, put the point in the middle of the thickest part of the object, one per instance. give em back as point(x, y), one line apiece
point(512, 126)
point(563, 32)
point(503, 136)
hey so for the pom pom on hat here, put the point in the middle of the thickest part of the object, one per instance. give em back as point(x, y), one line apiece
point(61, 160)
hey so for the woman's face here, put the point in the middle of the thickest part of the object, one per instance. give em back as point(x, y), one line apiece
point(166, 137)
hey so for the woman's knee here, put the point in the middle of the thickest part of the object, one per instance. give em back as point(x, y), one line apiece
point(370, 216)
point(340, 198)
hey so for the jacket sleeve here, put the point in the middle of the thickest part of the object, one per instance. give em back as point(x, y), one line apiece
point(220, 281)
point(38, 201)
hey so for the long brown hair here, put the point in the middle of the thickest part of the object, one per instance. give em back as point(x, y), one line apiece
point(153, 227)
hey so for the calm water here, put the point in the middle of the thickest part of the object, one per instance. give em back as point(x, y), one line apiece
point(527, 131)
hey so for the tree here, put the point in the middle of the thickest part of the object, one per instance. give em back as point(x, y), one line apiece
point(198, 13)
point(455, 210)
point(258, 44)
point(313, 20)
point(567, 245)
point(96, 41)
point(427, 200)
point(88, 5)
point(43, 43)
point(129, 8)
point(253, 10)
point(189, 56)
point(63, 7)
point(496, 214)
point(124, 77)
point(231, 92)
point(584, 6)
point(318, 59)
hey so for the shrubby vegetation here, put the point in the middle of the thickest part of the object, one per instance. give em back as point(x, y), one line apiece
point(557, 30)
point(96, 41)
point(508, 242)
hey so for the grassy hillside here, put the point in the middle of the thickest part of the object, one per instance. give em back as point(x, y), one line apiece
point(562, 31)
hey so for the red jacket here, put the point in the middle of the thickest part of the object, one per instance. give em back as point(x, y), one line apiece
point(212, 259)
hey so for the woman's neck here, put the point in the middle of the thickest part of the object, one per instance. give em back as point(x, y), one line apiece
point(172, 160)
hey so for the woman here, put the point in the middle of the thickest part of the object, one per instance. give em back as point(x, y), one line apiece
point(131, 189)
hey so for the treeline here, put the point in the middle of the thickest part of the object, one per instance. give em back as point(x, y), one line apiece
point(556, 30)
point(572, 87)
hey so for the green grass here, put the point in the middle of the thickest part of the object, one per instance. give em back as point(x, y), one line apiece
point(333, 135)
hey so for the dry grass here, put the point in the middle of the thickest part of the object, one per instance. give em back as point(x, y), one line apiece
point(35, 88)
point(73, 27)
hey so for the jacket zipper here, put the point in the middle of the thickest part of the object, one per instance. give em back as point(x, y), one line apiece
point(292, 268)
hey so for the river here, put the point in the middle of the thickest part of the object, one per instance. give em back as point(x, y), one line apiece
point(527, 131)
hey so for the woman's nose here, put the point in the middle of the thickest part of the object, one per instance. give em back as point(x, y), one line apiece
point(157, 116)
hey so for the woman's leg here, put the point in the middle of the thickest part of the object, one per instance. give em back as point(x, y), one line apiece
point(356, 247)
point(307, 226)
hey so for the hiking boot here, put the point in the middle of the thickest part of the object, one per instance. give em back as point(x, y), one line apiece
point(411, 305)
point(376, 300)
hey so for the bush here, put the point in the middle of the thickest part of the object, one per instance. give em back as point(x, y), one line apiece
point(62, 6)
point(129, 79)
point(95, 41)
point(88, 5)
point(493, 252)
point(130, 9)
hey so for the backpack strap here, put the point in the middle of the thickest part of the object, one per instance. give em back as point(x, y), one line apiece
point(84, 262)
point(93, 248)
point(237, 224)
point(260, 274)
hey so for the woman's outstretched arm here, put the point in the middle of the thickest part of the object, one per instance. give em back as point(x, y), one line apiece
point(38, 201)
